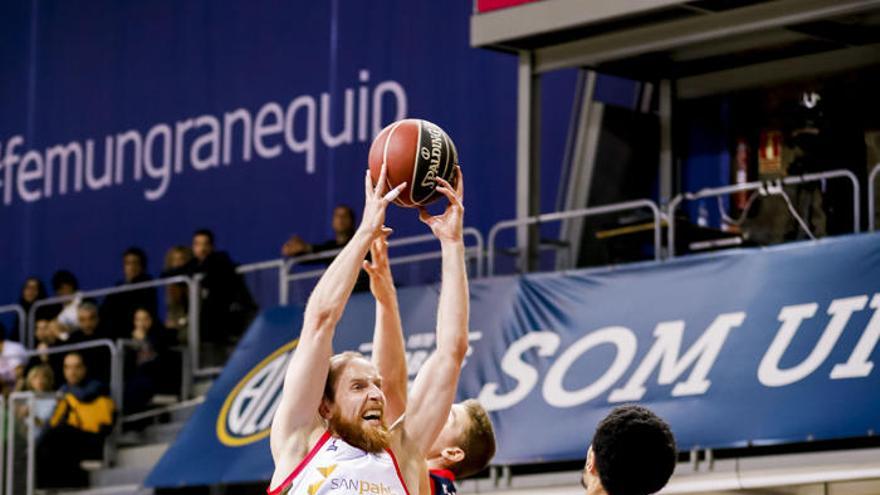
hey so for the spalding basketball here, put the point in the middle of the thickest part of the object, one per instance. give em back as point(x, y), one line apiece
point(416, 151)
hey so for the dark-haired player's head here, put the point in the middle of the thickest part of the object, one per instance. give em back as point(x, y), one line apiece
point(467, 442)
point(633, 453)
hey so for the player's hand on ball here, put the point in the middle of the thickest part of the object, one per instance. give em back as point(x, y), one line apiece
point(376, 202)
point(379, 270)
point(448, 226)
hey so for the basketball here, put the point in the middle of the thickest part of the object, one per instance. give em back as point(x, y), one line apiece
point(415, 151)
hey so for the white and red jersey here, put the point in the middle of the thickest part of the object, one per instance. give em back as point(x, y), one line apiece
point(333, 467)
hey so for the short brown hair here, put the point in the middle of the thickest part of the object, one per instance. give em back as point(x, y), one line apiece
point(338, 362)
point(477, 442)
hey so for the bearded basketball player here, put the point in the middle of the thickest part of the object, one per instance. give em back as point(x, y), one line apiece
point(330, 433)
point(467, 442)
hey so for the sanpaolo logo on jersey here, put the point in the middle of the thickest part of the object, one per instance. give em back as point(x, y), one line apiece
point(246, 415)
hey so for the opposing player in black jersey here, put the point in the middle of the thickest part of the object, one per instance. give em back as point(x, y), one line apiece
point(632, 453)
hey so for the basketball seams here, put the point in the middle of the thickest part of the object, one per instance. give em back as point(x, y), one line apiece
point(385, 155)
point(415, 168)
point(448, 157)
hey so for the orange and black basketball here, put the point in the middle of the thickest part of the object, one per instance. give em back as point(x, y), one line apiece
point(416, 152)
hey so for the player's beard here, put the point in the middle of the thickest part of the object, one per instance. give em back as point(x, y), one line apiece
point(373, 439)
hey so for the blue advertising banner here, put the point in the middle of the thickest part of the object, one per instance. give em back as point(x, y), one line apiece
point(138, 122)
point(745, 347)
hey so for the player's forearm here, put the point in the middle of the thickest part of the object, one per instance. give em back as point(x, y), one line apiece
point(389, 355)
point(330, 295)
point(453, 307)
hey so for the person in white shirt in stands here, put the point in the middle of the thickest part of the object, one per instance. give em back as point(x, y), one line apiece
point(12, 361)
point(64, 283)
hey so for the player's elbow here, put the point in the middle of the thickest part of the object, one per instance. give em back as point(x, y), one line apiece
point(321, 317)
point(456, 349)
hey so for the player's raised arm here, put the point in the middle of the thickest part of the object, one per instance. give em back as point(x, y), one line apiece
point(302, 394)
point(433, 392)
point(389, 352)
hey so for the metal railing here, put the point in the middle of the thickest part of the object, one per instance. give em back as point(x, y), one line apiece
point(192, 283)
point(3, 421)
point(762, 185)
point(474, 252)
point(22, 319)
point(11, 438)
point(279, 264)
point(159, 411)
point(186, 376)
point(872, 190)
point(583, 212)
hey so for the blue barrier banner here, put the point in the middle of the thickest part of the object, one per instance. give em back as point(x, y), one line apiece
point(741, 348)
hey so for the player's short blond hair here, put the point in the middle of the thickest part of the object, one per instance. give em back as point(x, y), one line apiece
point(477, 441)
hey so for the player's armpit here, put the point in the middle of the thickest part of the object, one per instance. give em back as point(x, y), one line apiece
point(301, 394)
point(292, 450)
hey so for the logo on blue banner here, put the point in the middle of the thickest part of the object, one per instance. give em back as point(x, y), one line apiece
point(246, 415)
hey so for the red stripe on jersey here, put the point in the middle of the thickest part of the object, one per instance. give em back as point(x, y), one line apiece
point(397, 469)
point(302, 464)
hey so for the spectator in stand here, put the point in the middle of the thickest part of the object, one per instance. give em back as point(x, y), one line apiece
point(227, 307)
point(89, 324)
point(176, 295)
point(118, 309)
point(64, 283)
point(60, 332)
point(147, 361)
point(46, 332)
point(32, 291)
point(81, 421)
point(12, 360)
point(41, 380)
point(343, 225)
point(90, 328)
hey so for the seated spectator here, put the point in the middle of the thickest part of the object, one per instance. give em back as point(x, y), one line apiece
point(81, 421)
point(59, 331)
point(91, 328)
point(89, 324)
point(147, 361)
point(118, 309)
point(12, 360)
point(64, 283)
point(176, 295)
point(343, 225)
point(32, 291)
point(41, 380)
point(47, 334)
point(227, 307)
